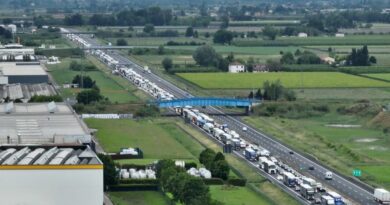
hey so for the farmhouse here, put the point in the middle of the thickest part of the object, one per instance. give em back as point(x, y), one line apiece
point(302, 35)
point(236, 67)
point(328, 60)
point(339, 35)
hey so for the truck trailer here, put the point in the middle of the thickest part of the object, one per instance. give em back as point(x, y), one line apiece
point(307, 191)
point(382, 196)
point(289, 179)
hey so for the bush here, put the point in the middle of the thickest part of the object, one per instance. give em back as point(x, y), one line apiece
point(134, 187)
point(189, 165)
point(121, 42)
point(213, 181)
point(237, 181)
point(43, 98)
point(139, 181)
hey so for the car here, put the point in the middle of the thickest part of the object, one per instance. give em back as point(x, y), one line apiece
point(311, 168)
point(291, 152)
point(328, 175)
point(244, 129)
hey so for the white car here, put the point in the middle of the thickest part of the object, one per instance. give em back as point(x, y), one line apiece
point(244, 129)
point(328, 175)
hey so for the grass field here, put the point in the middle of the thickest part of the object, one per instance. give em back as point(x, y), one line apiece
point(312, 135)
point(243, 50)
point(288, 79)
point(138, 197)
point(159, 139)
point(383, 76)
point(236, 195)
point(108, 87)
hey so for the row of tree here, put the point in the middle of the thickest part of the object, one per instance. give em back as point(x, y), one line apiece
point(152, 15)
point(273, 91)
point(360, 57)
point(216, 163)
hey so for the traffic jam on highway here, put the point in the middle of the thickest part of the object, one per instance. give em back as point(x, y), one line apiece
point(306, 188)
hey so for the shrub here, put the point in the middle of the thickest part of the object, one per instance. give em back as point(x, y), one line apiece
point(139, 181)
point(237, 181)
point(213, 181)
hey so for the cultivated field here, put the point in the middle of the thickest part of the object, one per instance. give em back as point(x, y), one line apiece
point(287, 79)
point(318, 40)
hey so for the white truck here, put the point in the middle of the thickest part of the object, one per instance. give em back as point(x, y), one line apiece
point(382, 196)
point(327, 200)
point(307, 191)
point(218, 133)
point(208, 127)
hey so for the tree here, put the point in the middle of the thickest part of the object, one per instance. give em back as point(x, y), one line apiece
point(250, 96)
point(219, 156)
point(110, 175)
point(297, 52)
point(308, 58)
point(196, 34)
point(287, 58)
point(220, 169)
point(74, 20)
point(167, 64)
point(273, 90)
point(160, 50)
point(195, 192)
point(225, 22)
point(258, 94)
point(89, 96)
point(250, 63)
point(359, 57)
point(206, 157)
point(372, 59)
point(83, 82)
point(149, 28)
point(190, 31)
point(75, 66)
point(205, 56)
point(121, 42)
point(223, 36)
point(270, 32)
point(273, 65)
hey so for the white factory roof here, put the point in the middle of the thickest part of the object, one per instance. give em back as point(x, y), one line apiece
point(47, 155)
point(41, 123)
point(12, 69)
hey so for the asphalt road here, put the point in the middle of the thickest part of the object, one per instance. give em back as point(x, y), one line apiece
point(350, 190)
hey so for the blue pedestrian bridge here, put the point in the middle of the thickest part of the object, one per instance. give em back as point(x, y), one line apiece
point(205, 101)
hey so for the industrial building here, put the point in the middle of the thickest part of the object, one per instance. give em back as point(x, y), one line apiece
point(24, 92)
point(25, 73)
point(41, 123)
point(48, 175)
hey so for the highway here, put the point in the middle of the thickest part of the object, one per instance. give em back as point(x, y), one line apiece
point(350, 190)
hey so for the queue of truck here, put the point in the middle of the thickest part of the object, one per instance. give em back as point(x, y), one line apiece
point(306, 186)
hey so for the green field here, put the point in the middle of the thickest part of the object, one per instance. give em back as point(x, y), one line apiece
point(109, 88)
point(236, 195)
point(243, 50)
point(288, 79)
point(383, 76)
point(318, 40)
point(159, 139)
point(138, 197)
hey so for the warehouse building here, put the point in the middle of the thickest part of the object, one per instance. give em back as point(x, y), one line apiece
point(48, 175)
point(41, 123)
point(25, 73)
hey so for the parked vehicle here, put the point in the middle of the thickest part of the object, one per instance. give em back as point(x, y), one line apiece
point(382, 196)
point(244, 129)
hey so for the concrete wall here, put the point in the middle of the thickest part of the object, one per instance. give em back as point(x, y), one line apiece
point(51, 186)
point(28, 79)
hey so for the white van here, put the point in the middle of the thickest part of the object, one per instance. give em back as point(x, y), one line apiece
point(328, 175)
